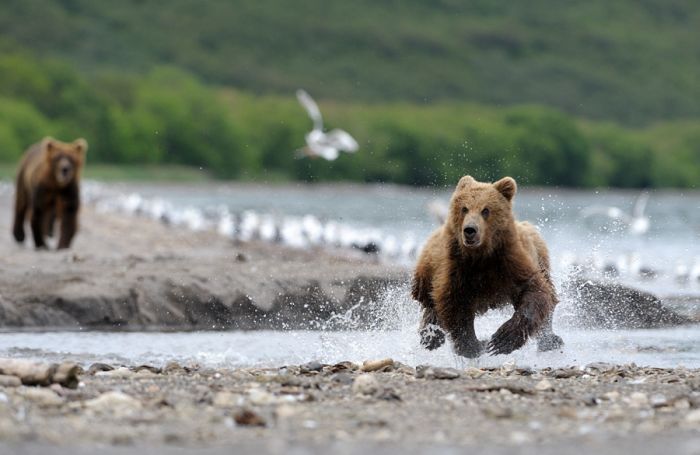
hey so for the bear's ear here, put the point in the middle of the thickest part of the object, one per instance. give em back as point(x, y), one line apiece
point(48, 144)
point(80, 146)
point(507, 187)
point(465, 181)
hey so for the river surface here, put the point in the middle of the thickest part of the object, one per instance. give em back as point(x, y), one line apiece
point(664, 259)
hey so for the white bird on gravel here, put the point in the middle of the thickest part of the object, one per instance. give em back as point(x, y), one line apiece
point(319, 144)
point(637, 223)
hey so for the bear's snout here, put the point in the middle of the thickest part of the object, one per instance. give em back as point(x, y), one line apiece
point(471, 235)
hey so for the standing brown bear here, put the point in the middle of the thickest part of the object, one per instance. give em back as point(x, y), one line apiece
point(481, 258)
point(48, 189)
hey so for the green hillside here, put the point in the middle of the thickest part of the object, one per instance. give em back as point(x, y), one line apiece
point(632, 61)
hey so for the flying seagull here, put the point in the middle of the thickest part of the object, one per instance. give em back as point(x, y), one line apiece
point(319, 144)
point(637, 222)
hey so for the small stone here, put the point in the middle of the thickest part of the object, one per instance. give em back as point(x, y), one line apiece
point(343, 378)
point(173, 367)
point(42, 397)
point(246, 417)
point(599, 368)
point(9, 381)
point(612, 396)
point(286, 411)
point(261, 397)
point(658, 400)
point(387, 394)
point(119, 373)
point(114, 402)
point(311, 366)
point(374, 365)
point(498, 412)
point(566, 373)
point(98, 366)
point(149, 368)
point(226, 400)
point(445, 373)
point(693, 416)
point(638, 400)
point(544, 386)
point(474, 373)
point(365, 384)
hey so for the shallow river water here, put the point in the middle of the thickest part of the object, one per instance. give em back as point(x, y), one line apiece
point(665, 260)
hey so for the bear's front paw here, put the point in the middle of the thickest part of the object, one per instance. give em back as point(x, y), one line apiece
point(432, 337)
point(549, 342)
point(472, 349)
point(509, 337)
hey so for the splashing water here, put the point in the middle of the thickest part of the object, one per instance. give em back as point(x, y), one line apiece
point(393, 333)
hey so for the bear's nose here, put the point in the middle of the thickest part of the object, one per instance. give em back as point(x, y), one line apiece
point(470, 231)
point(65, 170)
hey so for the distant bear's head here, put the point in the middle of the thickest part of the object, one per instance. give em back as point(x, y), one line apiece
point(65, 159)
point(481, 214)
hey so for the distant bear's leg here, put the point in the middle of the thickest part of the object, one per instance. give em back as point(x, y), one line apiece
point(547, 340)
point(69, 224)
point(50, 221)
point(21, 207)
point(431, 334)
point(37, 224)
point(532, 309)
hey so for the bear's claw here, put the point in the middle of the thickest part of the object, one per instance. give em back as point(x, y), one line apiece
point(432, 337)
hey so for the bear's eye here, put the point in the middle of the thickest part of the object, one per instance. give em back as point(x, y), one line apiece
point(465, 210)
point(485, 213)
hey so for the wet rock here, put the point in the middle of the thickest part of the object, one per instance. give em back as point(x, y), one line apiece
point(311, 366)
point(114, 402)
point(365, 384)
point(247, 417)
point(604, 305)
point(343, 366)
point(98, 366)
point(42, 397)
point(173, 367)
point(149, 368)
point(374, 365)
point(9, 381)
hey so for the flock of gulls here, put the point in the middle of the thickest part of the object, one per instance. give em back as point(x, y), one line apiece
point(308, 231)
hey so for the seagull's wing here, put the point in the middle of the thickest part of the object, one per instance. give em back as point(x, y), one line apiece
point(342, 140)
point(327, 152)
point(611, 212)
point(311, 107)
point(640, 205)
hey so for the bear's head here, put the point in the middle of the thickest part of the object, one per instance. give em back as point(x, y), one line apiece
point(65, 159)
point(481, 214)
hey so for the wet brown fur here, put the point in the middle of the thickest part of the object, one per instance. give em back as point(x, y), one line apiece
point(43, 196)
point(455, 282)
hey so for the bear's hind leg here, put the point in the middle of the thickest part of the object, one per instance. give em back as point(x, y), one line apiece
point(37, 224)
point(21, 207)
